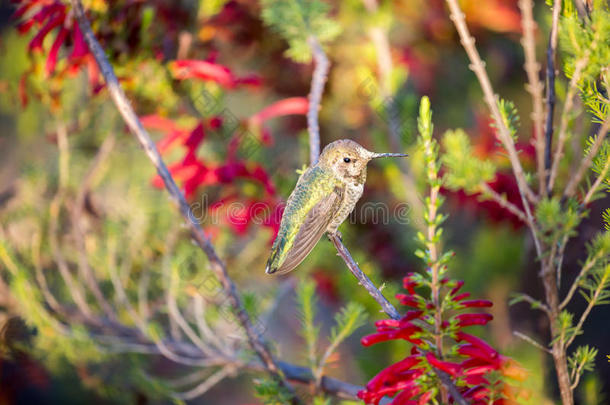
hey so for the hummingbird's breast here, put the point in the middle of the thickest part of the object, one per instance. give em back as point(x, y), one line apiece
point(351, 195)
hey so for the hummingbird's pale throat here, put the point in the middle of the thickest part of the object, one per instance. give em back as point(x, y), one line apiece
point(324, 196)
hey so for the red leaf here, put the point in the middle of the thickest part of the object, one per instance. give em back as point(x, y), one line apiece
point(23, 94)
point(52, 57)
point(36, 42)
point(208, 71)
point(195, 137)
point(156, 122)
point(288, 106)
point(80, 48)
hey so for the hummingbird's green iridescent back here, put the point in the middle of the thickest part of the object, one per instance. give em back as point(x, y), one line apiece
point(322, 199)
point(308, 212)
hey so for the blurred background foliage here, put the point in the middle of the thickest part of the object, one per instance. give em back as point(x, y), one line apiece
point(127, 219)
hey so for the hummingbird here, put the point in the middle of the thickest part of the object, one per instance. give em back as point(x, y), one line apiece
point(325, 194)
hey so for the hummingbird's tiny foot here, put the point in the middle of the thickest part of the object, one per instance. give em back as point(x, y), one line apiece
point(337, 234)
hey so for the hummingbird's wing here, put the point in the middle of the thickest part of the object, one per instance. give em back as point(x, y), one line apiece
point(302, 226)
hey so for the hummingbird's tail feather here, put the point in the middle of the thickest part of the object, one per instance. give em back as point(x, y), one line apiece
point(272, 264)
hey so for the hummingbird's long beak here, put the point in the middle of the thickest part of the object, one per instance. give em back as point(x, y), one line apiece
point(380, 155)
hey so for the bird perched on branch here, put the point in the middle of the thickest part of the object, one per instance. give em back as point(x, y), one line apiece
point(324, 196)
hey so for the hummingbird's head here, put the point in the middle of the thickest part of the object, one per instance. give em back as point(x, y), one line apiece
point(348, 159)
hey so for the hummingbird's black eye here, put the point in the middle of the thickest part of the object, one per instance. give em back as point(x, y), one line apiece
point(347, 160)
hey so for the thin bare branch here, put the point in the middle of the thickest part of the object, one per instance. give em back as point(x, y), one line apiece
point(534, 86)
point(568, 105)
point(318, 79)
point(492, 194)
point(491, 99)
point(588, 159)
point(363, 278)
point(531, 341)
point(174, 312)
point(208, 383)
point(551, 52)
point(600, 179)
point(217, 265)
point(379, 37)
point(85, 270)
point(535, 303)
point(41, 278)
point(592, 302)
point(76, 292)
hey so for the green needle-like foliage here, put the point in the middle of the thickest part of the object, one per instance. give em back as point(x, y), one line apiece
point(306, 301)
point(270, 392)
point(350, 318)
point(464, 170)
point(583, 359)
point(296, 21)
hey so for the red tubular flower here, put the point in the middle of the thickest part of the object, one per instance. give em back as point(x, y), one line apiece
point(403, 333)
point(410, 315)
point(408, 300)
point(446, 366)
point(460, 297)
point(473, 319)
point(406, 397)
point(475, 393)
point(476, 303)
point(395, 369)
point(424, 398)
point(375, 396)
point(459, 285)
point(478, 343)
point(409, 284)
point(478, 353)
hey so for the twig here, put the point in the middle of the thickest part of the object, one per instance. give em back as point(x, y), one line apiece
point(362, 278)
point(567, 108)
point(202, 325)
point(501, 200)
point(592, 301)
point(534, 86)
point(535, 303)
point(576, 373)
point(478, 67)
point(217, 265)
point(174, 312)
point(586, 162)
point(504, 135)
point(319, 77)
point(379, 36)
point(41, 279)
point(85, 269)
point(531, 341)
point(77, 293)
point(550, 90)
point(600, 178)
point(208, 383)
